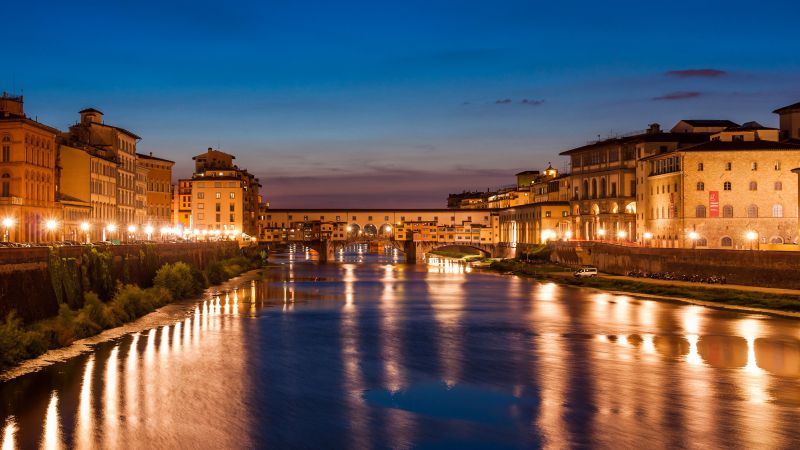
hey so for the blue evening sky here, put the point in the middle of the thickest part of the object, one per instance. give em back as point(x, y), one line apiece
point(395, 103)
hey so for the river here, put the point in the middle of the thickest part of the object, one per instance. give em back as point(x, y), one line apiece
point(372, 353)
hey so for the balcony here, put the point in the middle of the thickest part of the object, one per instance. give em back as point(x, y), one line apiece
point(10, 200)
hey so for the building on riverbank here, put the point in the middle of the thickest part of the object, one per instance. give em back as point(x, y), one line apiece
point(224, 198)
point(735, 191)
point(27, 174)
point(158, 189)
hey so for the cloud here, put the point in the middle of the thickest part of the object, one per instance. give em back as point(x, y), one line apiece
point(697, 73)
point(503, 101)
point(679, 95)
point(531, 102)
point(524, 101)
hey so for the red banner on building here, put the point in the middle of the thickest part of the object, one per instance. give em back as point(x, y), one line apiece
point(713, 203)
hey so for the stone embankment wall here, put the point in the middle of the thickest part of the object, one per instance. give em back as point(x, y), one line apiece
point(33, 281)
point(756, 268)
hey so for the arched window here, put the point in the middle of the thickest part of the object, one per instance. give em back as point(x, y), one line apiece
point(701, 186)
point(777, 210)
point(778, 186)
point(585, 189)
point(702, 242)
point(727, 211)
point(753, 186)
point(700, 211)
point(602, 188)
point(776, 240)
point(594, 188)
point(699, 167)
point(726, 242)
point(726, 186)
point(752, 211)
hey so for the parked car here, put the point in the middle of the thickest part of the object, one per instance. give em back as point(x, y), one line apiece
point(585, 272)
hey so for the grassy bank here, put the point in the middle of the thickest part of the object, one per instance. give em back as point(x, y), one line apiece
point(717, 295)
point(465, 253)
point(129, 302)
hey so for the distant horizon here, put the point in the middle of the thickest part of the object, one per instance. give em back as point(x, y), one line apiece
point(381, 105)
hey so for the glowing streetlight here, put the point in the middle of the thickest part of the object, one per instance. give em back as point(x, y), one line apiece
point(621, 234)
point(567, 235)
point(8, 222)
point(110, 228)
point(149, 231)
point(50, 225)
point(694, 236)
point(548, 235)
point(85, 228)
point(751, 236)
point(647, 237)
point(601, 232)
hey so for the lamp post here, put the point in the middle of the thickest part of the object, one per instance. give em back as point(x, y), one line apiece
point(567, 235)
point(111, 228)
point(647, 237)
point(602, 233)
point(751, 236)
point(85, 228)
point(621, 235)
point(693, 236)
point(8, 222)
point(131, 232)
point(50, 225)
point(149, 231)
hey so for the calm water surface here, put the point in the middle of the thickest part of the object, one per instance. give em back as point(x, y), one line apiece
point(371, 353)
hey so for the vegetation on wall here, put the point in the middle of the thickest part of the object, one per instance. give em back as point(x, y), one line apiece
point(83, 314)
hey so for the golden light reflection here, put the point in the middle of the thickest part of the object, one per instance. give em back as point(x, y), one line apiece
point(51, 440)
point(111, 399)
point(648, 344)
point(693, 357)
point(349, 284)
point(9, 433)
point(131, 386)
point(85, 428)
point(547, 292)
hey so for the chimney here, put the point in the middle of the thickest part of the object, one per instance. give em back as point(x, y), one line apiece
point(654, 128)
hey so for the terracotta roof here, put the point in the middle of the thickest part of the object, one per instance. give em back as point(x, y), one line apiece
point(710, 123)
point(90, 110)
point(714, 146)
point(144, 156)
point(645, 137)
point(787, 108)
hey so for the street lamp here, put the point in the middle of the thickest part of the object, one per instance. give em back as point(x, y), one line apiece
point(601, 232)
point(751, 236)
point(131, 231)
point(693, 236)
point(8, 222)
point(149, 231)
point(111, 228)
point(621, 234)
point(647, 236)
point(567, 235)
point(51, 225)
point(85, 229)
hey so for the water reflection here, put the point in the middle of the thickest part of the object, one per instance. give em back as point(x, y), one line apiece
point(370, 353)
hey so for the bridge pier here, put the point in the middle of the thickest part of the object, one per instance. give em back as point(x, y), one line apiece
point(410, 250)
point(326, 251)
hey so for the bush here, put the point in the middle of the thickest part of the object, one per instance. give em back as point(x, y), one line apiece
point(177, 279)
point(216, 273)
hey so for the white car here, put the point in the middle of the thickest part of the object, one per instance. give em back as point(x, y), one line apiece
point(585, 272)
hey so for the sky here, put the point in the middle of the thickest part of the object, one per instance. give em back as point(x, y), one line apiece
point(395, 103)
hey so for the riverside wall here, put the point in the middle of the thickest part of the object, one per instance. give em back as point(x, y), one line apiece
point(33, 281)
point(755, 268)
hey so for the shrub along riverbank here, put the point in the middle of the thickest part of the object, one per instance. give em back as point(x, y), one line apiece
point(734, 297)
point(128, 302)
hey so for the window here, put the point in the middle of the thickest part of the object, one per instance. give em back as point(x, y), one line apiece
point(218, 218)
point(700, 211)
point(217, 206)
point(702, 242)
point(701, 186)
point(201, 205)
point(699, 167)
point(777, 165)
point(728, 166)
point(727, 211)
point(231, 218)
point(726, 242)
point(547, 213)
point(753, 186)
point(200, 195)
point(218, 195)
point(778, 186)
point(777, 210)
point(6, 185)
point(726, 186)
point(233, 195)
point(754, 166)
point(752, 211)
point(200, 216)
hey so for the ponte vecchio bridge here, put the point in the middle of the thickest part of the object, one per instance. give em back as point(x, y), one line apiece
point(412, 231)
